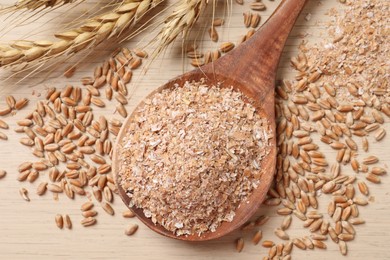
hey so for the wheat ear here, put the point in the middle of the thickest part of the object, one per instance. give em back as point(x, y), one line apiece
point(34, 5)
point(184, 16)
point(90, 34)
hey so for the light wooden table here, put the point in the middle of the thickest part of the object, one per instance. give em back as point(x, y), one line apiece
point(28, 231)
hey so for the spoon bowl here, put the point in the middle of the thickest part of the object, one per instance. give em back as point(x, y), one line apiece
point(250, 69)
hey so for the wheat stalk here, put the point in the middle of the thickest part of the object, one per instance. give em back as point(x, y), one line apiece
point(31, 9)
point(90, 34)
point(35, 5)
point(184, 16)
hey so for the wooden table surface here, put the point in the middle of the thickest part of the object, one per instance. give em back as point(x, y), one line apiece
point(28, 230)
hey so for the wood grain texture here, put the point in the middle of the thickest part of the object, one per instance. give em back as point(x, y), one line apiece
point(28, 230)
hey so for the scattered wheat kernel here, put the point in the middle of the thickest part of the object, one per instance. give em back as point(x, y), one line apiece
point(5, 111)
point(131, 229)
point(128, 214)
point(107, 208)
point(68, 222)
point(89, 213)
point(2, 174)
point(343, 247)
point(59, 221)
point(257, 6)
point(87, 206)
point(268, 243)
point(299, 243)
point(21, 103)
point(24, 193)
point(370, 160)
point(282, 234)
point(239, 244)
point(261, 220)
point(41, 189)
point(89, 221)
point(3, 136)
point(257, 237)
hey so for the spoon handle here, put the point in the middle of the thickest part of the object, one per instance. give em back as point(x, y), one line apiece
point(254, 63)
point(269, 41)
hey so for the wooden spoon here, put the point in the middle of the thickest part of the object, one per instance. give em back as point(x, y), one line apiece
point(251, 69)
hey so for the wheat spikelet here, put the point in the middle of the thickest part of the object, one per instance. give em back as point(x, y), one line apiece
point(184, 16)
point(90, 34)
point(33, 5)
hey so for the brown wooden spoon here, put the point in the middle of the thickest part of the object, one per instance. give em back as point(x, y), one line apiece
point(251, 69)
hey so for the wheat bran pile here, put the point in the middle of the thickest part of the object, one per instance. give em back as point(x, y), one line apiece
point(191, 155)
point(355, 58)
